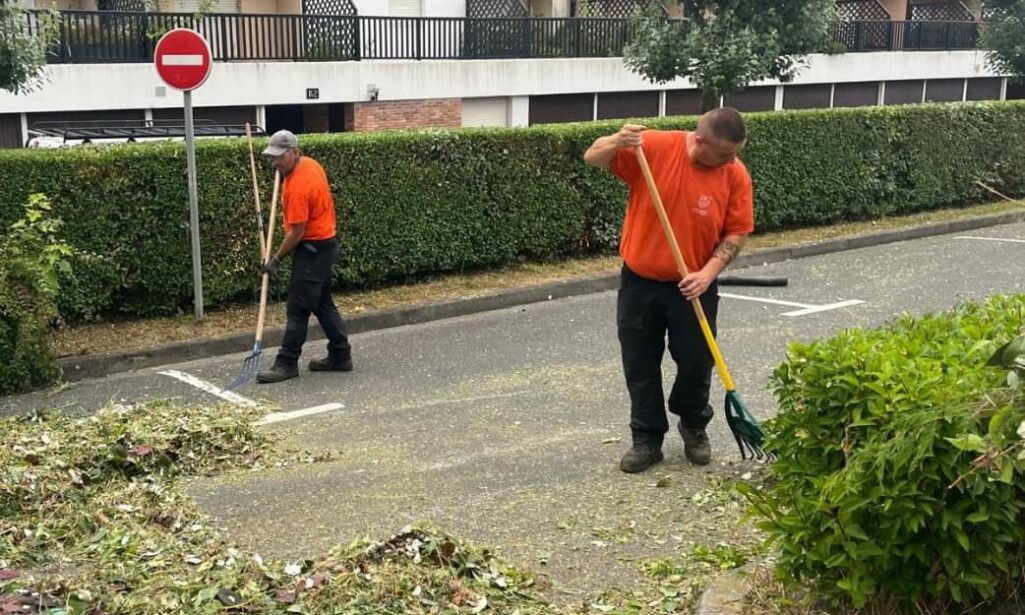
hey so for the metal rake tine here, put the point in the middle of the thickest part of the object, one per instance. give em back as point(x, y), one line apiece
point(250, 366)
point(242, 379)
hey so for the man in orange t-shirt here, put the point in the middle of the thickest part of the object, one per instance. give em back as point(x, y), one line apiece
point(707, 194)
point(310, 232)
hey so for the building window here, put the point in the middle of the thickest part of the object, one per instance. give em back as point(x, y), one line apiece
point(752, 99)
point(856, 94)
point(619, 105)
point(807, 96)
point(557, 108)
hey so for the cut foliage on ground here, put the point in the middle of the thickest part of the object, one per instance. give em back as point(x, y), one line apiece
point(94, 523)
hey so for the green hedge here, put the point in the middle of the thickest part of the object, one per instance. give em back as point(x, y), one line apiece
point(879, 490)
point(31, 258)
point(419, 203)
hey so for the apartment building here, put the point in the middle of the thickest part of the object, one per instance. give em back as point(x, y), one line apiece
point(357, 65)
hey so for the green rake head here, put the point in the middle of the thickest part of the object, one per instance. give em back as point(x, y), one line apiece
point(745, 428)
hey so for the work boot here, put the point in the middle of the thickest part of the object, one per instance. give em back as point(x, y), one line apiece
point(696, 445)
point(641, 457)
point(328, 364)
point(278, 372)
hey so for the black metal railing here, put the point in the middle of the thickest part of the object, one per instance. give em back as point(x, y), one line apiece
point(906, 35)
point(119, 37)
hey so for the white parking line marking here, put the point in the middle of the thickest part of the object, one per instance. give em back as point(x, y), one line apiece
point(823, 308)
point(278, 417)
point(991, 239)
point(216, 391)
point(805, 307)
point(764, 300)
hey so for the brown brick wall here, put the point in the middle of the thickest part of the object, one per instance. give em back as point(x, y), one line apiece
point(350, 116)
point(394, 115)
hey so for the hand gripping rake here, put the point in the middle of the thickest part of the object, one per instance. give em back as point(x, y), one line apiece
point(745, 428)
point(251, 364)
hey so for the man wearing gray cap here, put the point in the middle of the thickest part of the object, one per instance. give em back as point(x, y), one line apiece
point(310, 233)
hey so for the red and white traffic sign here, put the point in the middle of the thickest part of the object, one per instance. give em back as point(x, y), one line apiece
point(183, 59)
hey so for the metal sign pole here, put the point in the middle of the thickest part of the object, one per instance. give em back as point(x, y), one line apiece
point(190, 148)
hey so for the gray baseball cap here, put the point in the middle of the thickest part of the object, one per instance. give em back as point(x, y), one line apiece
point(281, 142)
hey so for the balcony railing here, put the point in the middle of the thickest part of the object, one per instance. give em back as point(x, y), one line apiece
point(906, 35)
point(117, 37)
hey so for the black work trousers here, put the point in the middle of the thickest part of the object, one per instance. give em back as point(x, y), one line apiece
point(646, 311)
point(310, 293)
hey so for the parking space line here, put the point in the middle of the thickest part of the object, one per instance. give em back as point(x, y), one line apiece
point(278, 417)
point(805, 307)
point(823, 308)
point(214, 390)
point(1002, 239)
point(765, 300)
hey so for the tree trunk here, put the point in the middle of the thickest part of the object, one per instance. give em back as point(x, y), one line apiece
point(709, 100)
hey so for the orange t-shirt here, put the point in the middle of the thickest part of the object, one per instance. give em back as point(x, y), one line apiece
point(703, 206)
point(307, 198)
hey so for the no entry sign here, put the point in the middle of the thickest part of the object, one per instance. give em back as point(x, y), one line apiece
point(183, 59)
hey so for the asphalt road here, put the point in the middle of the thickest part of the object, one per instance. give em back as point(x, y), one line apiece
point(506, 427)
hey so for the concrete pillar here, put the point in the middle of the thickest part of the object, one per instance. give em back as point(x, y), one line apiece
point(519, 111)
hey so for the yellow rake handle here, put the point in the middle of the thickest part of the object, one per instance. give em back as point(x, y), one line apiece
point(720, 364)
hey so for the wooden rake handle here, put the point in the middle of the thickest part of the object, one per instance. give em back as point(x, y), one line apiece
point(270, 244)
point(996, 192)
point(681, 266)
point(256, 197)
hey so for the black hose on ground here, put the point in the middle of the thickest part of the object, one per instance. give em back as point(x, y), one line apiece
point(736, 280)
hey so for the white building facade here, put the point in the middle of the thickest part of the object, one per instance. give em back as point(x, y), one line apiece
point(356, 65)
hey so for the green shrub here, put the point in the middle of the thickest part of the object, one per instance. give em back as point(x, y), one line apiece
point(422, 203)
point(30, 258)
point(895, 476)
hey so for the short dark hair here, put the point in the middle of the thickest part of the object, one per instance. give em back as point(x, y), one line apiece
point(725, 124)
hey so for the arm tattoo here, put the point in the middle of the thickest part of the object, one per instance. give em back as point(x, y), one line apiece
point(727, 251)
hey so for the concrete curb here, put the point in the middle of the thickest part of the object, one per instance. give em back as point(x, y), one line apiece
point(94, 366)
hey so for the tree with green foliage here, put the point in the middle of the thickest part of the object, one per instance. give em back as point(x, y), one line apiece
point(724, 45)
point(1004, 35)
point(22, 51)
